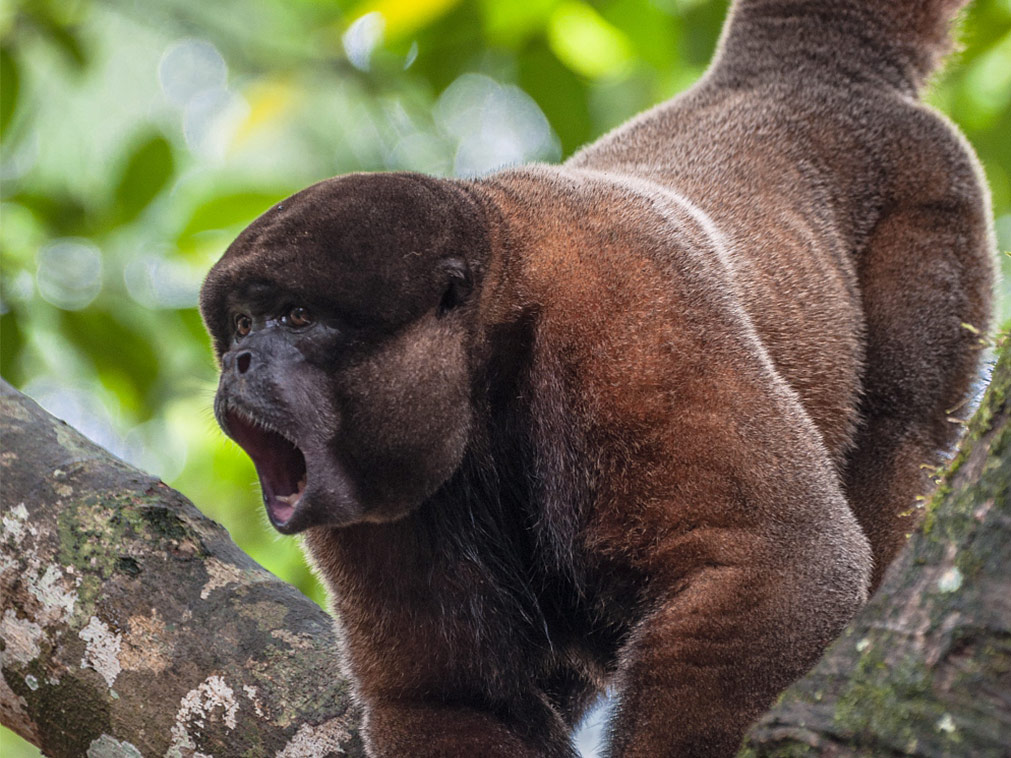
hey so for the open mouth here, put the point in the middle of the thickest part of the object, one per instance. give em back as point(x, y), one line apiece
point(279, 464)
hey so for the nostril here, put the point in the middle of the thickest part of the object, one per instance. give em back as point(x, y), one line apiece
point(243, 362)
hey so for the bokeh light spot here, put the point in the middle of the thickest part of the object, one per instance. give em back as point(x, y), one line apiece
point(157, 282)
point(211, 120)
point(189, 67)
point(494, 125)
point(69, 273)
point(363, 36)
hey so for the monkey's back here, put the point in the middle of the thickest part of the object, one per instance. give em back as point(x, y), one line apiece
point(856, 226)
point(758, 171)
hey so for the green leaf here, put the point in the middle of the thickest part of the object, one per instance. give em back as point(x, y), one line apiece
point(587, 43)
point(147, 171)
point(10, 85)
point(449, 46)
point(652, 33)
point(57, 209)
point(560, 94)
point(12, 342)
point(509, 24)
point(65, 39)
point(116, 343)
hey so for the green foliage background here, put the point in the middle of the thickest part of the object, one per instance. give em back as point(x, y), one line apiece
point(138, 137)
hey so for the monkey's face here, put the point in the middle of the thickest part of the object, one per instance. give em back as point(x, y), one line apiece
point(342, 319)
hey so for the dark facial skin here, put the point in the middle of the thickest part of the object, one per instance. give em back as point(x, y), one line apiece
point(312, 377)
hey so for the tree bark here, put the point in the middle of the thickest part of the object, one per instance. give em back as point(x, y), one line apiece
point(133, 626)
point(925, 669)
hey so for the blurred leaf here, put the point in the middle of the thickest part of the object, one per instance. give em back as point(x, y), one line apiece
point(21, 235)
point(11, 343)
point(510, 23)
point(62, 213)
point(226, 211)
point(63, 37)
point(449, 48)
point(702, 22)
point(10, 84)
point(560, 93)
point(115, 345)
point(585, 42)
point(189, 320)
point(147, 171)
point(988, 83)
point(981, 26)
point(652, 32)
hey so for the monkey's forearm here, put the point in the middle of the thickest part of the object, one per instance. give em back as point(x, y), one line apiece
point(713, 655)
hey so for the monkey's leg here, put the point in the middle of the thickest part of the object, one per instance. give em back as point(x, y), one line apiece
point(713, 654)
point(924, 274)
point(431, 730)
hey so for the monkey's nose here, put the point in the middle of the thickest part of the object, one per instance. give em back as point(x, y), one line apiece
point(243, 361)
point(240, 363)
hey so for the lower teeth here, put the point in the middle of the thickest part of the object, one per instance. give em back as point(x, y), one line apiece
point(294, 497)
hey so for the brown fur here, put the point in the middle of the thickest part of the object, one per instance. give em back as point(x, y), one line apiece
point(651, 419)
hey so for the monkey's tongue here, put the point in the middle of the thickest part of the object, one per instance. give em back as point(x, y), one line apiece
point(279, 464)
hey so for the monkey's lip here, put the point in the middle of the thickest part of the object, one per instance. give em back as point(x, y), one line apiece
point(280, 465)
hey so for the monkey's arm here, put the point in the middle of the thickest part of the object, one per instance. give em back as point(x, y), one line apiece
point(718, 500)
point(755, 564)
point(711, 656)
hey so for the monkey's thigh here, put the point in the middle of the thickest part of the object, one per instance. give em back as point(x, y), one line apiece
point(923, 277)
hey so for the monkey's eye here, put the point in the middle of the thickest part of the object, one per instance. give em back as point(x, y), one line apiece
point(297, 317)
point(243, 324)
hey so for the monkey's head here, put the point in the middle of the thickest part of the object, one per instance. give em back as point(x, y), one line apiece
point(343, 319)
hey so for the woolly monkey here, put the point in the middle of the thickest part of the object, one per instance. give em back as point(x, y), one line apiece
point(651, 419)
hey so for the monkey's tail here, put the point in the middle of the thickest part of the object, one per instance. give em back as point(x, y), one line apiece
point(912, 36)
point(924, 25)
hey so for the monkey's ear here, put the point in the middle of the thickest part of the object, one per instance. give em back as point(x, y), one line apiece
point(459, 284)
